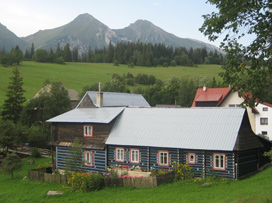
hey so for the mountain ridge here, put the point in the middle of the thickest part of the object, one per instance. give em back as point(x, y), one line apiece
point(86, 31)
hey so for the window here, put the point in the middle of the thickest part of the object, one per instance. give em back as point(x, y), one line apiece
point(264, 132)
point(163, 158)
point(88, 158)
point(265, 108)
point(219, 161)
point(134, 156)
point(88, 130)
point(234, 105)
point(119, 154)
point(264, 121)
point(191, 158)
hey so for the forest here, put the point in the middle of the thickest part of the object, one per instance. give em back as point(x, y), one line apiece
point(130, 53)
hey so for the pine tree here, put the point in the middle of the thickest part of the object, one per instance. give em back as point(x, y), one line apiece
point(12, 107)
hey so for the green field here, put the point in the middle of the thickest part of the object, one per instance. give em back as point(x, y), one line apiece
point(254, 189)
point(77, 75)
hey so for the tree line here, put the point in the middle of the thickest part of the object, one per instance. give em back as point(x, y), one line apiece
point(130, 53)
point(175, 91)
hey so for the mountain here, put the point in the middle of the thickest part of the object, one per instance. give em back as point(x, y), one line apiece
point(146, 32)
point(8, 39)
point(85, 31)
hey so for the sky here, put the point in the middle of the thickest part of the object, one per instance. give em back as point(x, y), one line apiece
point(182, 18)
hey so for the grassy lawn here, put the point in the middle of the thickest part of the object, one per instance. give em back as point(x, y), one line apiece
point(78, 75)
point(254, 189)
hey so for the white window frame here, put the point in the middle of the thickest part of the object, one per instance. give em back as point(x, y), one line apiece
point(88, 158)
point(88, 130)
point(163, 158)
point(119, 154)
point(191, 161)
point(219, 161)
point(263, 121)
point(265, 108)
point(135, 156)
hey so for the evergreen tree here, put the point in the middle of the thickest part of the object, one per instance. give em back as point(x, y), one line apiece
point(11, 163)
point(32, 50)
point(17, 54)
point(67, 55)
point(12, 107)
point(75, 54)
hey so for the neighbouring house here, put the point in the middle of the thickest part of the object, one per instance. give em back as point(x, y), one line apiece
point(225, 97)
point(90, 122)
point(73, 94)
point(212, 140)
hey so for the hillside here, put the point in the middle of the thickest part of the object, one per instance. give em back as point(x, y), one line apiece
point(78, 75)
point(8, 39)
point(146, 32)
point(85, 31)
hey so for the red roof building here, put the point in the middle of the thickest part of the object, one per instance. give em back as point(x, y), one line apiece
point(210, 97)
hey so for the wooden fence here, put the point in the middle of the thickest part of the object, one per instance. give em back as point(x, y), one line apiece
point(143, 182)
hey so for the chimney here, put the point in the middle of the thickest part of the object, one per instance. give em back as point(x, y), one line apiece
point(99, 96)
point(204, 88)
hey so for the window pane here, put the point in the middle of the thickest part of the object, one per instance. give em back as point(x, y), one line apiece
point(216, 161)
point(132, 155)
point(192, 158)
point(221, 161)
point(137, 156)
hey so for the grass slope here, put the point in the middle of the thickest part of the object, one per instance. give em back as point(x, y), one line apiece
point(254, 189)
point(78, 75)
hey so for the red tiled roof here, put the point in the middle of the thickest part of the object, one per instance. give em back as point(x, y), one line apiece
point(249, 96)
point(211, 94)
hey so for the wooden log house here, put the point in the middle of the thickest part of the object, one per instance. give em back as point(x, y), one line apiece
point(212, 140)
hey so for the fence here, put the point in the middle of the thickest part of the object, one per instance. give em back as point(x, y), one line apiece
point(143, 182)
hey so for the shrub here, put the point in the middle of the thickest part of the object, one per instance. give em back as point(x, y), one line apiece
point(182, 171)
point(35, 153)
point(85, 182)
point(11, 163)
point(269, 154)
point(116, 63)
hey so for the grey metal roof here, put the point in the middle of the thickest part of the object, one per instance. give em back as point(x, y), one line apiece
point(192, 128)
point(111, 99)
point(88, 115)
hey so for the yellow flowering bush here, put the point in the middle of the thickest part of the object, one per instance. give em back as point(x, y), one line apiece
point(182, 171)
point(85, 182)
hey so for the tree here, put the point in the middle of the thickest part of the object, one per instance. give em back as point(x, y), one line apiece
point(74, 162)
point(11, 163)
point(17, 54)
point(7, 134)
point(46, 105)
point(67, 55)
point(12, 107)
point(235, 20)
point(41, 55)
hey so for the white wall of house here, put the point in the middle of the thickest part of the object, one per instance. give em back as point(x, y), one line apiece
point(233, 100)
point(265, 114)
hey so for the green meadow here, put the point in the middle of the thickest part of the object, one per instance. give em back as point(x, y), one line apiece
point(77, 75)
point(254, 189)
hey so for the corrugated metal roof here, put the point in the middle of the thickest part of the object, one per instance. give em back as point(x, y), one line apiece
point(192, 128)
point(88, 115)
point(111, 99)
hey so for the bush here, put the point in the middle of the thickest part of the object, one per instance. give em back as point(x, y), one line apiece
point(116, 63)
point(183, 171)
point(11, 163)
point(35, 153)
point(85, 182)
